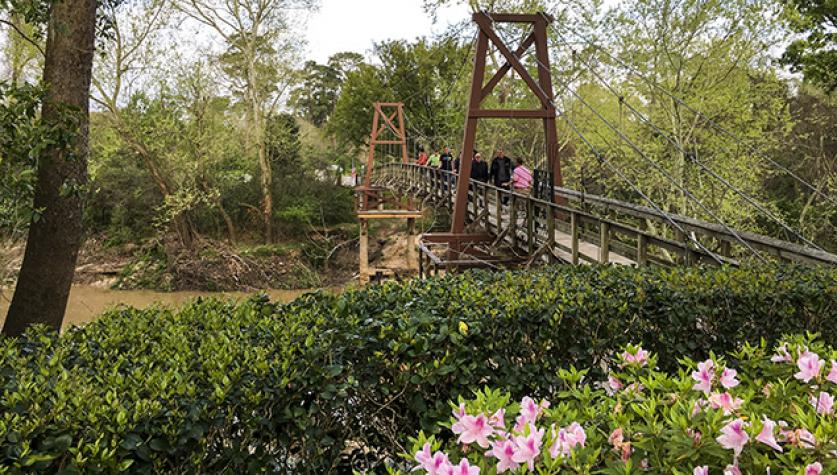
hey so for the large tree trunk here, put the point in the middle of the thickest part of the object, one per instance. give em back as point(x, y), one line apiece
point(49, 262)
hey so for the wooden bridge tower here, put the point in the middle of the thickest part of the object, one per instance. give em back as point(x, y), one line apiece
point(374, 202)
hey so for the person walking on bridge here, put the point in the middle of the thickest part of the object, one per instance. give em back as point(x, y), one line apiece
point(479, 169)
point(501, 169)
point(501, 172)
point(422, 158)
point(521, 178)
point(434, 161)
point(446, 160)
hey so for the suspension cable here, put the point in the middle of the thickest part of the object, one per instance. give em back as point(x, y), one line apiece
point(669, 139)
point(706, 118)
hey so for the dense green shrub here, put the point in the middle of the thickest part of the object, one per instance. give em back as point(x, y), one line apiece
point(337, 380)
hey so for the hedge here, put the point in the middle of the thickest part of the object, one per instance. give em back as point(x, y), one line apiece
point(331, 383)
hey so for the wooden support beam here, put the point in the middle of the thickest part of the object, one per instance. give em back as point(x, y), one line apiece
point(504, 69)
point(604, 243)
point(574, 237)
point(512, 113)
point(641, 250)
point(364, 252)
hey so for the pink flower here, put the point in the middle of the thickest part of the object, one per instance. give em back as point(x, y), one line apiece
point(614, 383)
point(616, 438)
point(528, 447)
point(529, 409)
point(832, 375)
point(733, 436)
point(473, 429)
point(799, 437)
point(703, 376)
point(639, 358)
point(436, 464)
point(813, 469)
point(702, 470)
point(464, 468)
point(732, 470)
point(567, 439)
point(697, 406)
point(782, 355)
point(810, 365)
point(498, 419)
point(460, 411)
point(806, 439)
point(824, 404)
point(503, 451)
point(726, 402)
point(694, 434)
point(766, 436)
point(728, 378)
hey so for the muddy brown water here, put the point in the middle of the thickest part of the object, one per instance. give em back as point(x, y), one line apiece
point(87, 301)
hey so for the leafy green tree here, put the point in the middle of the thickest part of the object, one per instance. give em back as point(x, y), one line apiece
point(314, 99)
point(809, 149)
point(710, 54)
point(427, 76)
point(260, 44)
point(815, 53)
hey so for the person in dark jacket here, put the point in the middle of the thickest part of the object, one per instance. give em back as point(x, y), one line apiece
point(501, 169)
point(446, 160)
point(479, 169)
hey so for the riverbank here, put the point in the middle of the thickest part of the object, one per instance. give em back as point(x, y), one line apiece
point(211, 266)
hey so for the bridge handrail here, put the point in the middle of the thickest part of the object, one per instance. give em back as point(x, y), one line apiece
point(777, 248)
point(717, 231)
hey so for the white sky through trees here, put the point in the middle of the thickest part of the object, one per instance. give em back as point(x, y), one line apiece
point(355, 25)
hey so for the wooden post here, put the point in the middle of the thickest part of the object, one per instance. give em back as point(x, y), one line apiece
point(487, 222)
point(641, 250)
point(604, 243)
point(513, 219)
point(364, 252)
point(530, 225)
point(550, 233)
point(574, 237)
point(411, 243)
point(726, 248)
point(498, 210)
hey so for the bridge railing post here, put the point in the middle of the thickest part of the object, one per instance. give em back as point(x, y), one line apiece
point(550, 233)
point(574, 237)
point(530, 224)
point(513, 219)
point(498, 211)
point(604, 243)
point(487, 211)
point(641, 250)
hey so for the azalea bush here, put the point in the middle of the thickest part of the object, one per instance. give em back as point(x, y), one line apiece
point(333, 382)
point(754, 412)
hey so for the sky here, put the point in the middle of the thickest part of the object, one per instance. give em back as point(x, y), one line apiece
point(354, 25)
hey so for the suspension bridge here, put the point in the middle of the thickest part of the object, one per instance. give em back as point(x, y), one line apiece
point(496, 227)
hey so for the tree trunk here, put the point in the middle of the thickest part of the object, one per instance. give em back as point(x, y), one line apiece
point(182, 224)
point(231, 231)
point(46, 274)
point(267, 192)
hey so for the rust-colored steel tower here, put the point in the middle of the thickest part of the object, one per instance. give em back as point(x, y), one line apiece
point(542, 89)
